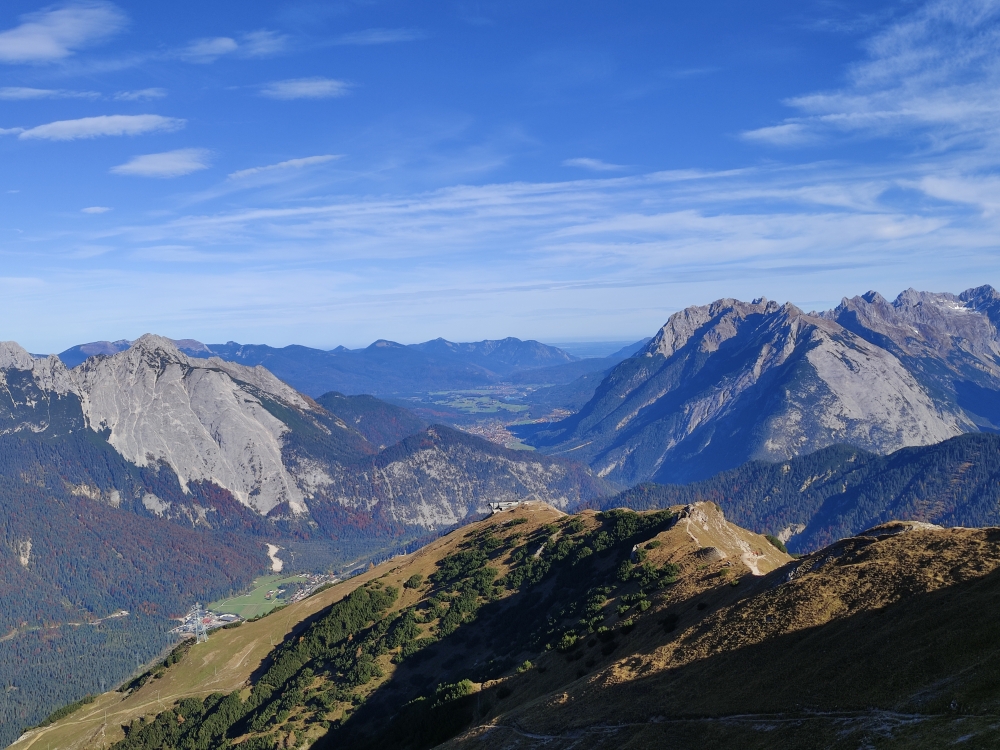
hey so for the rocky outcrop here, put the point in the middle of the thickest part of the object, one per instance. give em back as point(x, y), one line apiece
point(441, 476)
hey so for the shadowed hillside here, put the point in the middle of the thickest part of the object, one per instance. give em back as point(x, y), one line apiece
point(816, 499)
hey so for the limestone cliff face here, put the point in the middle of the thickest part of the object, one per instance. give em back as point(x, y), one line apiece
point(195, 415)
point(733, 381)
point(275, 450)
point(203, 418)
point(950, 342)
point(36, 394)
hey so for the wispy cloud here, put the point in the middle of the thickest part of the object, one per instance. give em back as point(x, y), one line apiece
point(305, 88)
point(380, 36)
point(58, 32)
point(103, 125)
point(787, 134)
point(253, 44)
point(593, 164)
point(21, 93)
point(208, 50)
point(141, 95)
point(14, 93)
point(263, 43)
point(601, 253)
point(681, 73)
point(167, 164)
point(307, 161)
point(95, 210)
point(932, 74)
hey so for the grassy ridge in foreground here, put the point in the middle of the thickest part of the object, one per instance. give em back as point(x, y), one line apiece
point(557, 577)
point(533, 628)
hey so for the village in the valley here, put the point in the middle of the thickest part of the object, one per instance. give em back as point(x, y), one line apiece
point(262, 599)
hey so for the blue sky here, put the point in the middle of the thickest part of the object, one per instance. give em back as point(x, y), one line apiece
point(335, 172)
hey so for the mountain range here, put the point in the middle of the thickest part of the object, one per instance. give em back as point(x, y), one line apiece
point(735, 381)
point(242, 430)
point(153, 473)
point(386, 368)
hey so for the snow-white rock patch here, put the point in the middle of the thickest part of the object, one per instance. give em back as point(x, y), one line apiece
point(276, 562)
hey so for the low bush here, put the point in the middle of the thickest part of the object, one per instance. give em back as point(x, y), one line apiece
point(777, 543)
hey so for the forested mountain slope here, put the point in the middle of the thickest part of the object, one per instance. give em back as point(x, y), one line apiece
point(816, 499)
point(735, 381)
point(475, 604)
point(145, 480)
point(670, 629)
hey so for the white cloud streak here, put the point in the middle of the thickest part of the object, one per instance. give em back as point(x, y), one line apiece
point(142, 95)
point(95, 210)
point(307, 161)
point(593, 164)
point(262, 43)
point(20, 93)
point(103, 125)
point(167, 164)
point(305, 88)
point(208, 50)
point(57, 33)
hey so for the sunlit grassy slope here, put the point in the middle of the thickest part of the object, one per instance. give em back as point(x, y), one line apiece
point(674, 629)
point(227, 662)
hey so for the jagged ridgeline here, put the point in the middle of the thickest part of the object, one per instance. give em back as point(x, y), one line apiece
point(508, 605)
point(734, 381)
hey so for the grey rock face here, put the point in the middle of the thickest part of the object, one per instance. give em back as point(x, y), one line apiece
point(36, 394)
point(440, 476)
point(950, 342)
point(275, 450)
point(192, 414)
point(733, 381)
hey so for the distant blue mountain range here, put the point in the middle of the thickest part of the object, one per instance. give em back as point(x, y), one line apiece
point(387, 368)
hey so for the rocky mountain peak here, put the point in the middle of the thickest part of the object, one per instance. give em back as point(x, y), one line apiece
point(724, 316)
point(929, 324)
point(983, 299)
point(734, 380)
point(160, 346)
point(14, 356)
